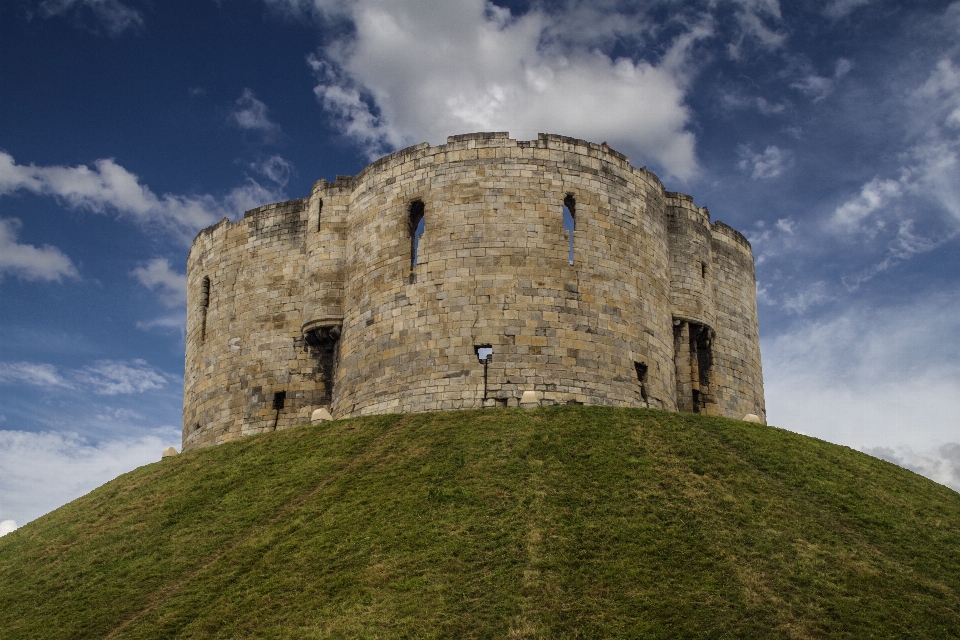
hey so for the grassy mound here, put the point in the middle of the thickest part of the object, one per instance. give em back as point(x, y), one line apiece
point(562, 522)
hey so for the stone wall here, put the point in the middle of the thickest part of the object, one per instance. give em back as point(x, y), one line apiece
point(319, 299)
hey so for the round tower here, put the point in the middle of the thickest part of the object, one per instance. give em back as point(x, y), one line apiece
point(484, 272)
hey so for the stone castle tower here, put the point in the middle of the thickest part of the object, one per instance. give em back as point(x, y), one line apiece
point(443, 278)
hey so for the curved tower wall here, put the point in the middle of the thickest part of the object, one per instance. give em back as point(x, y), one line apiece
point(249, 346)
point(493, 270)
point(317, 299)
point(736, 350)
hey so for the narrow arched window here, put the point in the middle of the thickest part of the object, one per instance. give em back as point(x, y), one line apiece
point(570, 220)
point(416, 230)
point(319, 214)
point(204, 305)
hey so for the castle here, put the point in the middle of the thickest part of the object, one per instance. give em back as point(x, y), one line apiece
point(443, 278)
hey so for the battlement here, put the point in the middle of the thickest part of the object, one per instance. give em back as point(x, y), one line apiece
point(444, 277)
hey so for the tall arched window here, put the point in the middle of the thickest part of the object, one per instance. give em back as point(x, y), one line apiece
point(416, 230)
point(570, 220)
point(319, 214)
point(204, 305)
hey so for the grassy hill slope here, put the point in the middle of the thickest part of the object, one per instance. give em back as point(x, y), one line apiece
point(560, 522)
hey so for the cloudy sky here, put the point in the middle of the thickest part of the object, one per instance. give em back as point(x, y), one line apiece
point(828, 131)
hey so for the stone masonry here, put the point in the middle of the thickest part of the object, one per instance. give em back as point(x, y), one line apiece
point(439, 278)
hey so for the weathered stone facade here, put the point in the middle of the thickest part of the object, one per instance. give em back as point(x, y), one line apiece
point(320, 302)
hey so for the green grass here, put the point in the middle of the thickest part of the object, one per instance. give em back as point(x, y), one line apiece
point(572, 522)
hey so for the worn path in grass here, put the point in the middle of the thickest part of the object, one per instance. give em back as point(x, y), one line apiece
point(559, 522)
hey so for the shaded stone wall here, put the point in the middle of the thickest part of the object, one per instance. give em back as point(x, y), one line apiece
point(318, 298)
point(251, 346)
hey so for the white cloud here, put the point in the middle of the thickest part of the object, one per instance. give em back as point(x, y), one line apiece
point(110, 377)
point(275, 169)
point(29, 262)
point(112, 15)
point(756, 19)
point(761, 104)
point(32, 373)
point(251, 114)
point(165, 323)
point(904, 245)
point(103, 377)
point(410, 72)
point(156, 275)
point(808, 297)
point(819, 87)
point(918, 210)
point(870, 376)
point(874, 196)
point(6, 526)
point(768, 164)
point(837, 9)
point(770, 242)
point(42, 471)
point(941, 464)
point(108, 187)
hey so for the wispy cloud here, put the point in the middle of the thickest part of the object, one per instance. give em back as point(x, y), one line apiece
point(761, 104)
point(108, 187)
point(32, 373)
point(251, 114)
point(170, 323)
point(837, 9)
point(801, 300)
point(104, 377)
point(768, 164)
point(917, 210)
point(769, 241)
point(819, 87)
point(110, 377)
point(874, 196)
point(29, 262)
point(170, 286)
point(759, 22)
point(112, 16)
point(275, 169)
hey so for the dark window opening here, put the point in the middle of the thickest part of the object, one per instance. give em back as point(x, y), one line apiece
point(642, 378)
point(196, 427)
point(416, 230)
point(693, 356)
point(319, 214)
point(570, 221)
point(204, 304)
point(323, 343)
point(701, 362)
point(278, 400)
point(703, 269)
point(704, 352)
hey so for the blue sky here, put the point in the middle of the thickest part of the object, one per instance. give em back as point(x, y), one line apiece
point(827, 131)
